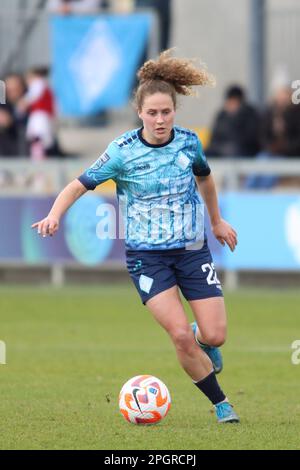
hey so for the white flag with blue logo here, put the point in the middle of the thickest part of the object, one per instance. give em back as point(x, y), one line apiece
point(95, 59)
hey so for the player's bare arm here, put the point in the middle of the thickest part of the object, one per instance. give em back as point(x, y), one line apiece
point(222, 230)
point(50, 224)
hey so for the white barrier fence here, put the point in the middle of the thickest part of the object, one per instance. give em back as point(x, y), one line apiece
point(24, 177)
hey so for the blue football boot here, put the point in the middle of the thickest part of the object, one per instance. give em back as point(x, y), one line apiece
point(225, 413)
point(213, 353)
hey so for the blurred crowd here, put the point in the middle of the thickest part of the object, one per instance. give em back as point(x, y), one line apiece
point(240, 130)
point(27, 123)
point(27, 120)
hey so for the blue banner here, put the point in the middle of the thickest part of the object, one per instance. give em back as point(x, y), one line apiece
point(268, 227)
point(94, 60)
point(83, 236)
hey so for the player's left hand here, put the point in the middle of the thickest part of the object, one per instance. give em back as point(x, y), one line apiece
point(47, 226)
point(224, 233)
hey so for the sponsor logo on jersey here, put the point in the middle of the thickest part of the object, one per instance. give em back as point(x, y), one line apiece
point(145, 166)
point(101, 161)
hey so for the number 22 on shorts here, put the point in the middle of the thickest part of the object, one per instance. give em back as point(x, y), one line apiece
point(212, 277)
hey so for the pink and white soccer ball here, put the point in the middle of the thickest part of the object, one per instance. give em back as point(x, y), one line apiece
point(144, 399)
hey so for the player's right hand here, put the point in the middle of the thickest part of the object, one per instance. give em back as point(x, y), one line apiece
point(47, 226)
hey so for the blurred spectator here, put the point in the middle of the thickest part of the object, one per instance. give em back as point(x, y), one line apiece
point(281, 125)
point(236, 131)
point(8, 133)
point(15, 87)
point(280, 134)
point(163, 10)
point(66, 7)
point(39, 102)
point(15, 90)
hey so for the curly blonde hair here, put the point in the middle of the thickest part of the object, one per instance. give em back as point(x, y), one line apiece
point(170, 75)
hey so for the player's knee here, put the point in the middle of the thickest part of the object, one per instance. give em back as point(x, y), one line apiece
point(182, 339)
point(215, 338)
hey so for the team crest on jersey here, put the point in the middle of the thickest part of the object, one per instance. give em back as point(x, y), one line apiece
point(182, 161)
point(101, 161)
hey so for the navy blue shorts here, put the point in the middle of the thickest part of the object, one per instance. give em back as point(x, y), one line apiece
point(156, 271)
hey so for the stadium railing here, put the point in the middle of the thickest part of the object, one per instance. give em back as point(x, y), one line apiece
point(17, 175)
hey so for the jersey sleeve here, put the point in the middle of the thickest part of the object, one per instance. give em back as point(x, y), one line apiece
point(200, 165)
point(107, 166)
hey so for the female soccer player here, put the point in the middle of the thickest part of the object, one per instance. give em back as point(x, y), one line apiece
point(157, 170)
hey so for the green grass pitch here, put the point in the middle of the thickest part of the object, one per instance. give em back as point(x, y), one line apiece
point(69, 351)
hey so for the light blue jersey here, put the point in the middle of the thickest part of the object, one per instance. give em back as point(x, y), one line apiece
point(156, 188)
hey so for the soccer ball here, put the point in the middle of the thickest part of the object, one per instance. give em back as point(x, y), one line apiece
point(144, 399)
